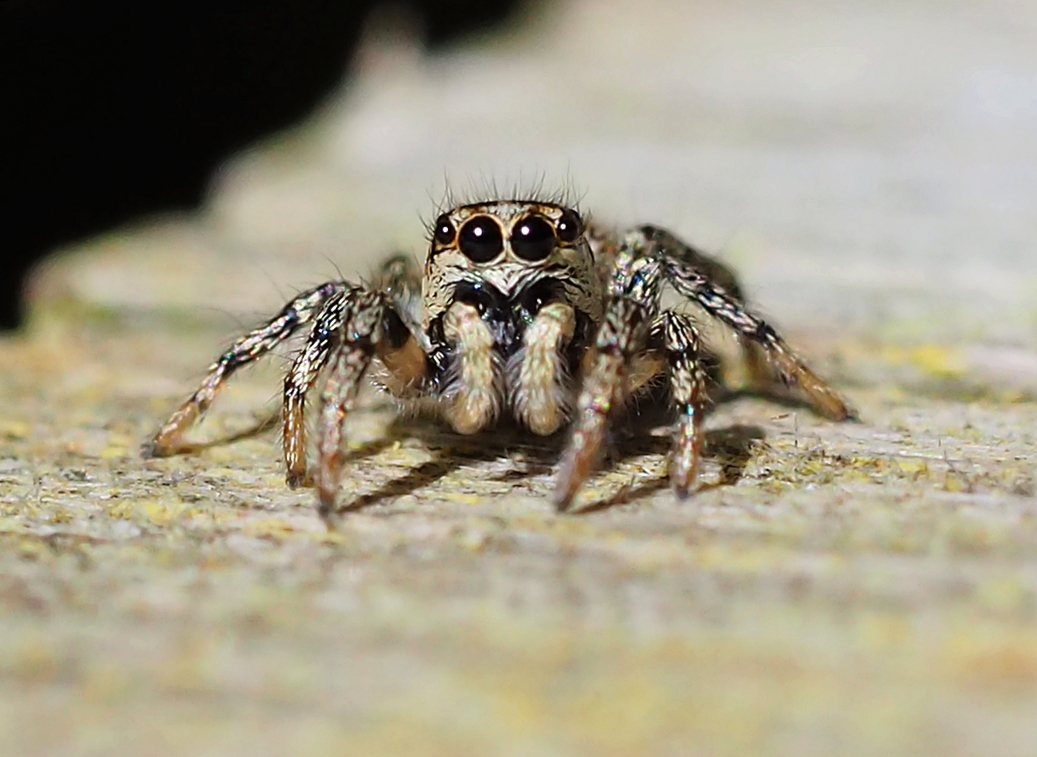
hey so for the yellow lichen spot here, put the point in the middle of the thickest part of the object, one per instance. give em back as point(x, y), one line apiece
point(14, 430)
point(120, 440)
point(32, 549)
point(913, 468)
point(938, 361)
point(269, 528)
point(161, 514)
point(944, 362)
point(122, 510)
point(60, 515)
point(955, 482)
point(114, 453)
point(466, 499)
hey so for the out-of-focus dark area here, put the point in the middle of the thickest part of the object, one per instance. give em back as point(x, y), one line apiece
point(113, 111)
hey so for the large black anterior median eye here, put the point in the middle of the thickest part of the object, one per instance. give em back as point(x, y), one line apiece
point(532, 238)
point(480, 239)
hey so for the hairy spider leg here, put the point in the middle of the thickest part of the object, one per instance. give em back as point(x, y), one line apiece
point(370, 327)
point(757, 367)
point(606, 386)
point(325, 337)
point(687, 379)
point(697, 287)
point(399, 277)
point(247, 348)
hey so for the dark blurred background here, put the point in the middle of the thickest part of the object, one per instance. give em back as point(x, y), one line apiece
point(114, 110)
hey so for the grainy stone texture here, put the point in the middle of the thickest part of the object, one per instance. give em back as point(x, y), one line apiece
point(834, 589)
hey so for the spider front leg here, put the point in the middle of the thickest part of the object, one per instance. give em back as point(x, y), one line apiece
point(247, 348)
point(606, 385)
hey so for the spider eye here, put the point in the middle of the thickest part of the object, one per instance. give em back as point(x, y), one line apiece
point(445, 231)
point(480, 239)
point(532, 238)
point(569, 226)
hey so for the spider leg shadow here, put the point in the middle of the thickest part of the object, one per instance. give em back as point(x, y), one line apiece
point(731, 447)
point(261, 425)
point(774, 392)
point(450, 451)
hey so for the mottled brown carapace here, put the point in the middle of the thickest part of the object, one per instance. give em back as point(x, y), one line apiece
point(522, 309)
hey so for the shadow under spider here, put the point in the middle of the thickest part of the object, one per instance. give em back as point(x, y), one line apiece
point(774, 393)
point(260, 426)
point(731, 447)
point(447, 458)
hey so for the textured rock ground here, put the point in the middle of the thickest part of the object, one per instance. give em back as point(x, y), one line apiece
point(833, 589)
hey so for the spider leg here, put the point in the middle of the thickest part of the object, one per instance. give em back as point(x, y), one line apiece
point(249, 347)
point(680, 344)
point(399, 276)
point(606, 385)
point(718, 302)
point(337, 399)
point(541, 376)
point(724, 277)
point(355, 326)
point(369, 326)
point(325, 336)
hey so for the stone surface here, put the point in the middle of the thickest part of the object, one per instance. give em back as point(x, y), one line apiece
point(833, 589)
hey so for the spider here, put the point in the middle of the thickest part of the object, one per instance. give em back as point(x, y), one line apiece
point(523, 309)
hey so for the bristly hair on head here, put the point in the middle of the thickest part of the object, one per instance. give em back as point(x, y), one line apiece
point(485, 189)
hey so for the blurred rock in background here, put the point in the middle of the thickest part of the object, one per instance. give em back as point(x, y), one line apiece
point(113, 112)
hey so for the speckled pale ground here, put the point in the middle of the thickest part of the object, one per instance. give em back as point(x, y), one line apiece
point(834, 589)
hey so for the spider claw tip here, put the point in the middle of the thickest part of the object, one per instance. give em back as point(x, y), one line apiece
point(562, 501)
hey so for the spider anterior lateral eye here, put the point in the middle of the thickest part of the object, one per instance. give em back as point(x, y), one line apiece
point(445, 231)
point(532, 238)
point(480, 239)
point(569, 226)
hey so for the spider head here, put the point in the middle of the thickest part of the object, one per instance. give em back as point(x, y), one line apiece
point(492, 233)
point(503, 249)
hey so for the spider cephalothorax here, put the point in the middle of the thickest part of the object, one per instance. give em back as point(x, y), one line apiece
point(521, 309)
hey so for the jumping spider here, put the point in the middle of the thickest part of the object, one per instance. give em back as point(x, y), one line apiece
point(522, 309)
